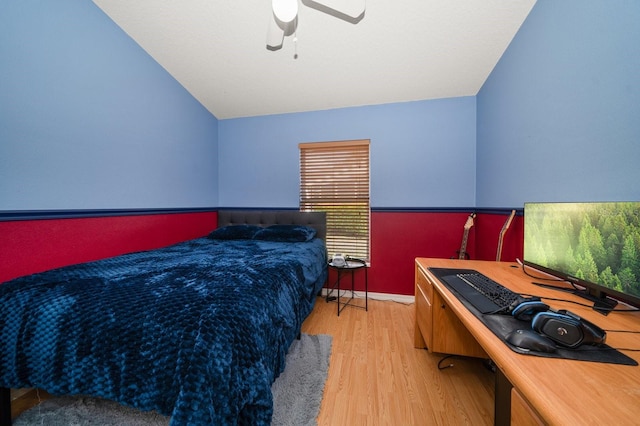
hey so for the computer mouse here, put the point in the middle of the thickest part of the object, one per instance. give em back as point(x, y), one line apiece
point(531, 341)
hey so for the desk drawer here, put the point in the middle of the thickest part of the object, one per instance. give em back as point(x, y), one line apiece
point(425, 285)
point(424, 324)
point(437, 326)
point(522, 414)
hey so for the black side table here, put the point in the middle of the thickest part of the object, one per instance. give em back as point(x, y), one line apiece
point(349, 268)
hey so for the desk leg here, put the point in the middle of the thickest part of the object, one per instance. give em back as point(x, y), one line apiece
point(502, 407)
point(5, 407)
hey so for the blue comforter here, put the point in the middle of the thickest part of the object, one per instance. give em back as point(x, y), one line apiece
point(198, 330)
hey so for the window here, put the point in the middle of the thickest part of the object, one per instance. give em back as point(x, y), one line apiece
point(334, 178)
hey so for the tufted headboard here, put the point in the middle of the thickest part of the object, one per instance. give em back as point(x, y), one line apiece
point(316, 220)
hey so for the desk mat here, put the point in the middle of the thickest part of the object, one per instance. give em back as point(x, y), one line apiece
point(501, 325)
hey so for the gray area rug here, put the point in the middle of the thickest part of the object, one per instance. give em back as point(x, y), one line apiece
point(297, 394)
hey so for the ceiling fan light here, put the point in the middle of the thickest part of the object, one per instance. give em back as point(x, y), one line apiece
point(285, 10)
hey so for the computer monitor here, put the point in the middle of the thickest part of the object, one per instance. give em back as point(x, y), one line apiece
point(595, 246)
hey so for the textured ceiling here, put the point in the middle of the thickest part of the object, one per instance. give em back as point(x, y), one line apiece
point(400, 51)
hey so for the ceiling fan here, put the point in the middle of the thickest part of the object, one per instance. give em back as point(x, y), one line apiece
point(284, 19)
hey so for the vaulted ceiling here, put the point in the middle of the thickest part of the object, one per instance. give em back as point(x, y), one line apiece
point(400, 51)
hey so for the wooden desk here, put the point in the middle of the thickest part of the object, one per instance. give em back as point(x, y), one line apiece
point(545, 390)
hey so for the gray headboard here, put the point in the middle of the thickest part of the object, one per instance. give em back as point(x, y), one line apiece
point(316, 220)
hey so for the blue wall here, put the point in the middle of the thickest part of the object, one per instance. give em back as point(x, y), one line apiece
point(422, 153)
point(88, 120)
point(559, 116)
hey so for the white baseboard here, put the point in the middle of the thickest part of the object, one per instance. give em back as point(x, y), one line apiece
point(400, 298)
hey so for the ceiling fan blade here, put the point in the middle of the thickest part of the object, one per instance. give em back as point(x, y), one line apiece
point(275, 35)
point(347, 10)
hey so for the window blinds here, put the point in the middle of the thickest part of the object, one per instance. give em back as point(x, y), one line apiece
point(334, 178)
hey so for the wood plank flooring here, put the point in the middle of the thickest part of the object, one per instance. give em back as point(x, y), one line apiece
point(376, 376)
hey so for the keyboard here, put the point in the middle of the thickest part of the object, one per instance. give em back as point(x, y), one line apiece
point(480, 291)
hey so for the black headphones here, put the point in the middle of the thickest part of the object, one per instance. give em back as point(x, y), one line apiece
point(526, 308)
point(567, 328)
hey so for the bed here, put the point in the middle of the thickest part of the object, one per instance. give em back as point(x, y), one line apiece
point(197, 331)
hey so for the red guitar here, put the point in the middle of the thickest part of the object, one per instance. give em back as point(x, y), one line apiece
point(502, 232)
point(462, 253)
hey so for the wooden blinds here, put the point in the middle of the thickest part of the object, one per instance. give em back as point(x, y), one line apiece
point(334, 178)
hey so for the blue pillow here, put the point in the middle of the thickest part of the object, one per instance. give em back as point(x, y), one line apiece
point(286, 233)
point(235, 232)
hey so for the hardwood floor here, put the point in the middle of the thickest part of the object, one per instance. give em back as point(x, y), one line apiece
point(23, 399)
point(377, 377)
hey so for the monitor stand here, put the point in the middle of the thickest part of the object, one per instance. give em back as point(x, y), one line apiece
point(601, 305)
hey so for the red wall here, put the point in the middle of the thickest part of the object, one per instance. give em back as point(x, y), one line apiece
point(397, 238)
point(33, 246)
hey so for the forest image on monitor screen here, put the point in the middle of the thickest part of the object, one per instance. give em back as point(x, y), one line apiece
point(595, 242)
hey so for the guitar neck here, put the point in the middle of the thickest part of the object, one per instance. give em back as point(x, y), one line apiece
point(465, 236)
point(499, 254)
point(503, 231)
point(463, 246)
